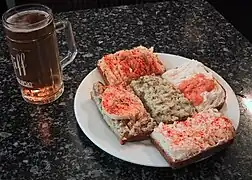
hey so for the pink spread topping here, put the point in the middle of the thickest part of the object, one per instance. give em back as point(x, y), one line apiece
point(121, 103)
point(127, 65)
point(201, 131)
point(193, 87)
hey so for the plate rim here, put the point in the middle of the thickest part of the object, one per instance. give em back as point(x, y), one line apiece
point(105, 149)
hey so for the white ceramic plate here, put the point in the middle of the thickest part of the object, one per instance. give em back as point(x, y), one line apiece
point(143, 153)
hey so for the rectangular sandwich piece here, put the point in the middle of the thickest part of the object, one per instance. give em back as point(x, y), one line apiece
point(161, 99)
point(185, 142)
point(123, 111)
point(126, 65)
point(197, 84)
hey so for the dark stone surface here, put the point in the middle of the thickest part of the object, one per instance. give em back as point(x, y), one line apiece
point(45, 142)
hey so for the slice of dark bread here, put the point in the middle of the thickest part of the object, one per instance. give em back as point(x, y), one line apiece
point(200, 136)
point(201, 156)
point(125, 129)
point(125, 65)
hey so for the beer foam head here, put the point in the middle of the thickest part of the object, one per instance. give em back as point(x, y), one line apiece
point(27, 21)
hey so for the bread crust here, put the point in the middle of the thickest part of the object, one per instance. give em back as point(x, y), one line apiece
point(102, 75)
point(225, 97)
point(202, 155)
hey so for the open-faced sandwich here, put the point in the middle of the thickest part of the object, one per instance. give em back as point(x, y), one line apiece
point(123, 111)
point(185, 142)
point(162, 100)
point(176, 109)
point(197, 84)
point(126, 65)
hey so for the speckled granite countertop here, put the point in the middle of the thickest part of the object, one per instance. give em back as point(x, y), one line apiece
point(45, 142)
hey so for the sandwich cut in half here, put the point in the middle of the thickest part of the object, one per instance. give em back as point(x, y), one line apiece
point(185, 142)
point(126, 65)
point(197, 84)
point(162, 100)
point(123, 111)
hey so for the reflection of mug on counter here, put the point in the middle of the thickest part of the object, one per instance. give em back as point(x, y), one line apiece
point(31, 36)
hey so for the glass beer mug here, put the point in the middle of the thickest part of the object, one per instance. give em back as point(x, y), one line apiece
point(31, 36)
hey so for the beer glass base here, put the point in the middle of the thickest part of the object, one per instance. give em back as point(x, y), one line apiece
point(44, 100)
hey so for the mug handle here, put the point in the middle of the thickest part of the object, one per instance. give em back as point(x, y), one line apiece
point(72, 50)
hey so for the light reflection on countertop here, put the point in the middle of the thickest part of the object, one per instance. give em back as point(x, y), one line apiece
point(247, 101)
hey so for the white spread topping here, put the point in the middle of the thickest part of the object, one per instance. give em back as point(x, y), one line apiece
point(182, 140)
point(212, 99)
point(186, 71)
